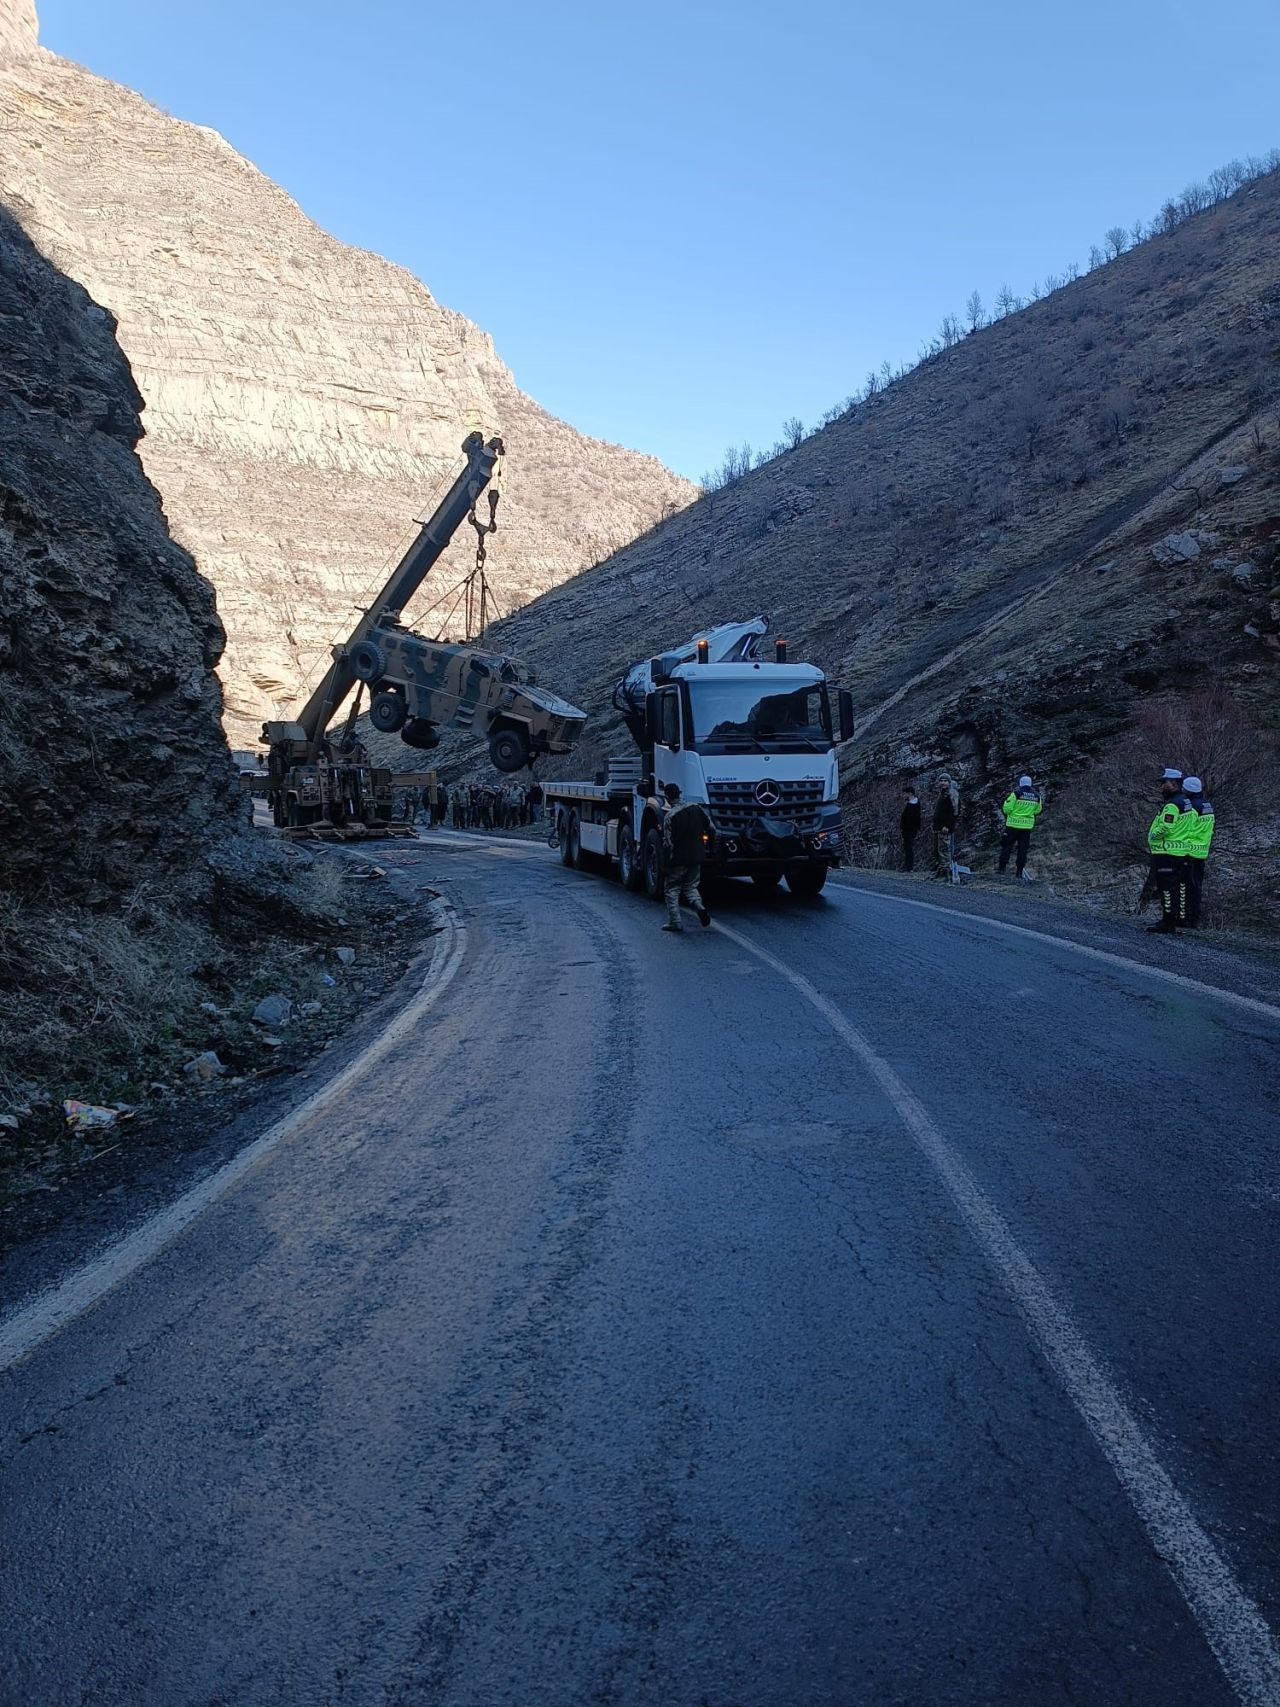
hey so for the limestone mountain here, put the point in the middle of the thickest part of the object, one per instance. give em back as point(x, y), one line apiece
point(303, 398)
point(1035, 546)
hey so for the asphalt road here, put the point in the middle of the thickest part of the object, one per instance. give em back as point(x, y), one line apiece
point(889, 1319)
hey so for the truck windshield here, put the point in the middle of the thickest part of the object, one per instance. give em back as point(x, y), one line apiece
point(732, 714)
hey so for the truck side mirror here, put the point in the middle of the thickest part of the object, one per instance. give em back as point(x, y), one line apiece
point(846, 714)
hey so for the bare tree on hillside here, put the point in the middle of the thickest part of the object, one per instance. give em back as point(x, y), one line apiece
point(975, 314)
point(1096, 257)
point(1006, 301)
point(793, 431)
point(950, 332)
point(1138, 232)
point(1116, 240)
point(1028, 417)
point(1114, 415)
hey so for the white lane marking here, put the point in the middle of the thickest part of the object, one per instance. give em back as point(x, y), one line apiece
point(1250, 1003)
point(50, 1311)
point(1233, 1626)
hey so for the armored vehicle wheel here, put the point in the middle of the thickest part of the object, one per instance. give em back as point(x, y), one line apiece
point(630, 871)
point(766, 879)
point(388, 712)
point(808, 883)
point(368, 661)
point(653, 864)
point(420, 732)
point(509, 747)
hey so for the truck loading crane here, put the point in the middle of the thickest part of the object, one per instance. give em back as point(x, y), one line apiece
point(749, 738)
point(323, 783)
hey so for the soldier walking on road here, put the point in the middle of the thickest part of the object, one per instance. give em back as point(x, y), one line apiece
point(910, 827)
point(1168, 842)
point(1200, 841)
point(686, 836)
point(1022, 806)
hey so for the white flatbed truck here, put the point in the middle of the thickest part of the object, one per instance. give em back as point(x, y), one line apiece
point(751, 739)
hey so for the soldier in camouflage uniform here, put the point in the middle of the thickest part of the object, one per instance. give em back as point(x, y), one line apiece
point(686, 837)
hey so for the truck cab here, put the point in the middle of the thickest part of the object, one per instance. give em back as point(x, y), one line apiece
point(755, 743)
point(752, 739)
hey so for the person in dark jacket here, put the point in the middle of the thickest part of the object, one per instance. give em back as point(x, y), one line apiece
point(945, 811)
point(910, 824)
point(686, 836)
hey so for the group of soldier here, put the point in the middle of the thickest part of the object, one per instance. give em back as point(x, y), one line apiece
point(472, 806)
point(429, 804)
point(508, 807)
point(1178, 841)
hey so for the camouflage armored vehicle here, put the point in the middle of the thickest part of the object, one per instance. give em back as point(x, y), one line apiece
point(423, 686)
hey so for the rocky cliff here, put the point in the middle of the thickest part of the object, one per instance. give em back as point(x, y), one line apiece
point(1019, 554)
point(112, 760)
point(18, 29)
point(304, 398)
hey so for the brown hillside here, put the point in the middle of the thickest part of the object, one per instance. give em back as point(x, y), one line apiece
point(971, 550)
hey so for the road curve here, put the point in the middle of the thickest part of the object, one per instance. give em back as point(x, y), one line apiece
point(634, 1335)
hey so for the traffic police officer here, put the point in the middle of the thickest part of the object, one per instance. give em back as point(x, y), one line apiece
point(1201, 841)
point(1021, 809)
point(1168, 842)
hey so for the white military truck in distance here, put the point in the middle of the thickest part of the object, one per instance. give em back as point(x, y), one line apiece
point(750, 738)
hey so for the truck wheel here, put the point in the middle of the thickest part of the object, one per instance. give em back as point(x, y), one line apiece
point(570, 839)
point(630, 871)
point(807, 883)
point(368, 661)
point(572, 854)
point(388, 712)
point(766, 879)
point(509, 748)
point(653, 864)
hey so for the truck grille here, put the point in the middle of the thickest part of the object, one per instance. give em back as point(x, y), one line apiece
point(733, 805)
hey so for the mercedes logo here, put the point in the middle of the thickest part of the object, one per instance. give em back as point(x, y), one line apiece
point(767, 792)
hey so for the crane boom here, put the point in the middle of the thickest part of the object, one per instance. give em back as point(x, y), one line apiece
point(408, 575)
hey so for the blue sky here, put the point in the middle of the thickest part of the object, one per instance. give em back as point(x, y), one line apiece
point(685, 222)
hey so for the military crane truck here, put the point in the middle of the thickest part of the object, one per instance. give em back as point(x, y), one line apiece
point(322, 783)
point(751, 738)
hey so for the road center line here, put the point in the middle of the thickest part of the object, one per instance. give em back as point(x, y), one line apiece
point(1235, 1629)
point(50, 1311)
